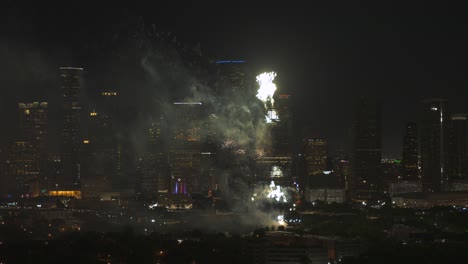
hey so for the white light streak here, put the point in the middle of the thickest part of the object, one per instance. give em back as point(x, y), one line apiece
point(187, 103)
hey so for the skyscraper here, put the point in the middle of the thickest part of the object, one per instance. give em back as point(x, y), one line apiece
point(100, 159)
point(186, 147)
point(457, 158)
point(366, 182)
point(281, 131)
point(410, 170)
point(33, 124)
point(232, 75)
point(152, 167)
point(71, 129)
point(434, 138)
point(97, 159)
point(30, 147)
point(276, 163)
point(23, 169)
point(315, 151)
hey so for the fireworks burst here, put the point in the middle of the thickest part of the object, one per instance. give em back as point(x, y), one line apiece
point(276, 172)
point(240, 152)
point(267, 87)
point(228, 143)
point(276, 193)
point(280, 219)
point(259, 153)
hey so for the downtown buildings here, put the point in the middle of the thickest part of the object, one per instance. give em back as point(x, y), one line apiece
point(25, 158)
point(366, 177)
point(410, 161)
point(434, 139)
point(72, 137)
point(443, 146)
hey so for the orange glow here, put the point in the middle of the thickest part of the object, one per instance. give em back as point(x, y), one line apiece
point(76, 194)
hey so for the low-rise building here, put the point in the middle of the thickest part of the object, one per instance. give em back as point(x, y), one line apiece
point(431, 199)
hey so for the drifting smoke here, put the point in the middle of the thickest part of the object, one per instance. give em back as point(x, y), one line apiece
point(236, 122)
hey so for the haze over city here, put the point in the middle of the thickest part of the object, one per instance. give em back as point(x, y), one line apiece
point(323, 132)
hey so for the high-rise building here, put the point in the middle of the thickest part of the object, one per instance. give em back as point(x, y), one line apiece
point(33, 124)
point(152, 168)
point(457, 157)
point(97, 157)
point(434, 139)
point(23, 170)
point(101, 162)
point(4, 173)
point(232, 75)
point(186, 148)
point(315, 151)
point(409, 161)
point(366, 182)
point(281, 128)
point(71, 130)
point(277, 162)
point(33, 121)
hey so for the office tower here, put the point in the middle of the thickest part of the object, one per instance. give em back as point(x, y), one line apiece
point(23, 169)
point(409, 161)
point(33, 121)
point(210, 156)
point(277, 162)
point(232, 75)
point(71, 129)
point(98, 155)
point(315, 152)
point(186, 147)
point(281, 129)
point(152, 170)
point(33, 124)
point(340, 166)
point(434, 138)
point(366, 183)
point(4, 173)
point(457, 157)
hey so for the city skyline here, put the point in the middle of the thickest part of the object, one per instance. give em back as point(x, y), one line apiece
point(321, 53)
point(233, 133)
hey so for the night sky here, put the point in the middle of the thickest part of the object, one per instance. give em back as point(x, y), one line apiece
point(325, 53)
